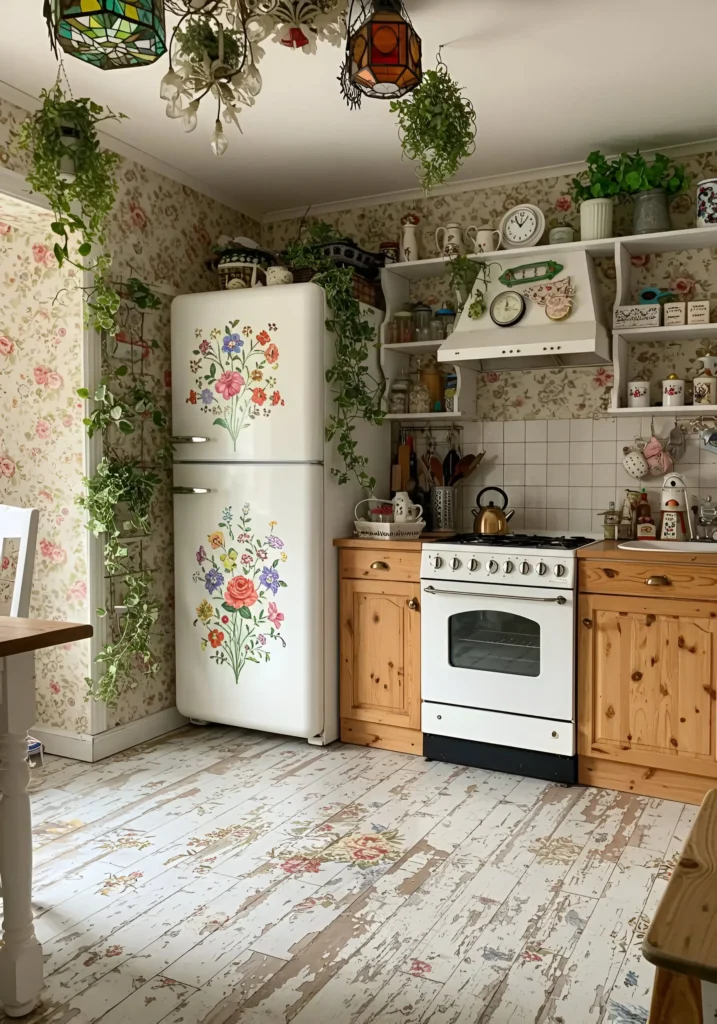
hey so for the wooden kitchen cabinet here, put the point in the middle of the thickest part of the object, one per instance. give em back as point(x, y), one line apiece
point(647, 678)
point(380, 677)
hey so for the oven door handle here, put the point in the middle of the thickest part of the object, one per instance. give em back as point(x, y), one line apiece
point(476, 593)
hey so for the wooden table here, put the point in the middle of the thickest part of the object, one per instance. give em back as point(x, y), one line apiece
point(682, 939)
point(21, 954)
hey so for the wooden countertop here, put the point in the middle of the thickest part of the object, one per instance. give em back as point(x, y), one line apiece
point(683, 933)
point(391, 545)
point(17, 636)
point(610, 549)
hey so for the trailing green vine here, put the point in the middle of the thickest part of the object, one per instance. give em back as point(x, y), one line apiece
point(78, 178)
point(437, 127)
point(357, 396)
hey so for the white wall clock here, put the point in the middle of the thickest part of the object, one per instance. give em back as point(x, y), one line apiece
point(522, 226)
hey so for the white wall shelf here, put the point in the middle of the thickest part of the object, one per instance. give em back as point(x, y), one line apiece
point(413, 348)
point(686, 332)
point(430, 417)
point(674, 410)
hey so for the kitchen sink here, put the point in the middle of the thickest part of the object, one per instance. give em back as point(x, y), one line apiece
point(669, 545)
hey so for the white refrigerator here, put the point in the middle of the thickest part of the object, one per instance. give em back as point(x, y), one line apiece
point(256, 509)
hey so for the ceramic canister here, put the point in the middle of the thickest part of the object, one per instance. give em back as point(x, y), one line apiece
point(562, 233)
point(704, 386)
point(673, 391)
point(706, 203)
point(638, 394)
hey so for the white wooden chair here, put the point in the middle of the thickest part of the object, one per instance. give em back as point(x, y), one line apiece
point(20, 524)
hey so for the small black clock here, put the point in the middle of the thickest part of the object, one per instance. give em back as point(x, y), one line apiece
point(507, 309)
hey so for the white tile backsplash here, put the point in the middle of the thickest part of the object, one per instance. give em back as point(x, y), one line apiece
point(558, 430)
point(559, 474)
point(536, 452)
point(514, 430)
point(558, 452)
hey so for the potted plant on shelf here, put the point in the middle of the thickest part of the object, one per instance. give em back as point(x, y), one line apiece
point(595, 189)
point(651, 184)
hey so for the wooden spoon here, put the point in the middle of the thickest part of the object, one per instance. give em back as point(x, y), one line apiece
point(477, 459)
point(436, 471)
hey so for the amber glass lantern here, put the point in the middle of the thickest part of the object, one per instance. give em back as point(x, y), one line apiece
point(384, 53)
point(109, 33)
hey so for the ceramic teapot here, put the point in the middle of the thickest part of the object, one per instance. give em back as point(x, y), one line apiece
point(490, 520)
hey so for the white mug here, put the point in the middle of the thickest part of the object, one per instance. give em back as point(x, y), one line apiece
point(404, 511)
point(483, 239)
point(279, 275)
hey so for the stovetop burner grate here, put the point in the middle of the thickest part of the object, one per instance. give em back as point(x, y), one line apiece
point(523, 540)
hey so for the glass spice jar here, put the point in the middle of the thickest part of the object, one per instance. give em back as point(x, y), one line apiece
point(419, 398)
point(398, 396)
point(406, 332)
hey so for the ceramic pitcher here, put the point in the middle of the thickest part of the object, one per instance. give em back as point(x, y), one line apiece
point(449, 240)
point(404, 511)
point(483, 239)
point(409, 239)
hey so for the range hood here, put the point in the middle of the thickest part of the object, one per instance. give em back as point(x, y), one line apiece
point(535, 342)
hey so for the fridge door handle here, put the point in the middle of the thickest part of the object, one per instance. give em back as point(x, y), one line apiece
point(191, 490)
point(189, 440)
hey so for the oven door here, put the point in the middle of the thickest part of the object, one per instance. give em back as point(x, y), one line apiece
point(499, 648)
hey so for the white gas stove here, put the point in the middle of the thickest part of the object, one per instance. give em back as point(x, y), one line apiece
point(498, 653)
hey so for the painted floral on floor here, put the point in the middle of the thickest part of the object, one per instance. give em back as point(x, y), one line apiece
point(235, 379)
point(240, 572)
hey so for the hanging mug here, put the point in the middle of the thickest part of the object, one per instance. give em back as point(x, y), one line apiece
point(483, 239)
point(450, 240)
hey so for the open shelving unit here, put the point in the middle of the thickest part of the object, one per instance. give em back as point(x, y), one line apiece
point(396, 279)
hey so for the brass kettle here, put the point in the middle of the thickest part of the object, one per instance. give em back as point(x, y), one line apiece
point(489, 520)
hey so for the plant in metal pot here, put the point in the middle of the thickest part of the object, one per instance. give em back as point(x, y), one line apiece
point(357, 395)
point(595, 189)
point(651, 184)
point(437, 127)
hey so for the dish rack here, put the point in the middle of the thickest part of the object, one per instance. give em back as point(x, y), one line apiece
point(388, 531)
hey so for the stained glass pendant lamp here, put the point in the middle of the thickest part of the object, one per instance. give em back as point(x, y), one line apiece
point(383, 57)
point(108, 33)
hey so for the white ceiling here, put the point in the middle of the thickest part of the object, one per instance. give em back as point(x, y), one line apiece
point(550, 80)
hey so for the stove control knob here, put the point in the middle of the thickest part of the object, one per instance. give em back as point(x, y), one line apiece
point(436, 561)
point(524, 568)
point(473, 565)
point(492, 567)
point(455, 563)
point(560, 571)
point(541, 568)
point(508, 567)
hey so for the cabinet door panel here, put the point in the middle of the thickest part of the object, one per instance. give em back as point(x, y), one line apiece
point(380, 653)
point(646, 679)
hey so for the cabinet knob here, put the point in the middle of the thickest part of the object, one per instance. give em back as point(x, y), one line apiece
point(588, 623)
point(413, 604)
point(380, 565)
point(658, 581)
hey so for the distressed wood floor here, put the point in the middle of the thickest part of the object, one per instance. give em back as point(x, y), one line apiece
point(221, 876)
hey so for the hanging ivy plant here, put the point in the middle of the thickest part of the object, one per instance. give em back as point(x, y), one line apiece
point(78, 179)
point(437, 127)
point(357, 396)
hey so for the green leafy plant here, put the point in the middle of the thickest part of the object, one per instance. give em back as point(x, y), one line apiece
point(120, 658)
point(62, 134)
point(357, 396)
point(78, 178)
point(437, 127)
point(598, 181)
point(635, 174)
point(197, 38)
point(463, 274)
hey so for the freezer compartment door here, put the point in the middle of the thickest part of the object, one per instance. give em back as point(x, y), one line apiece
point(248, 375)
point(249, 596)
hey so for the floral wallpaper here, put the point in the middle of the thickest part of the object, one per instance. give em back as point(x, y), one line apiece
point(162, 232)
point(42, 443)
point(561, 393)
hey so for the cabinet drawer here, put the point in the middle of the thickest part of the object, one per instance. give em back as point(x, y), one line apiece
point(658, 579)
point(380, 565)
